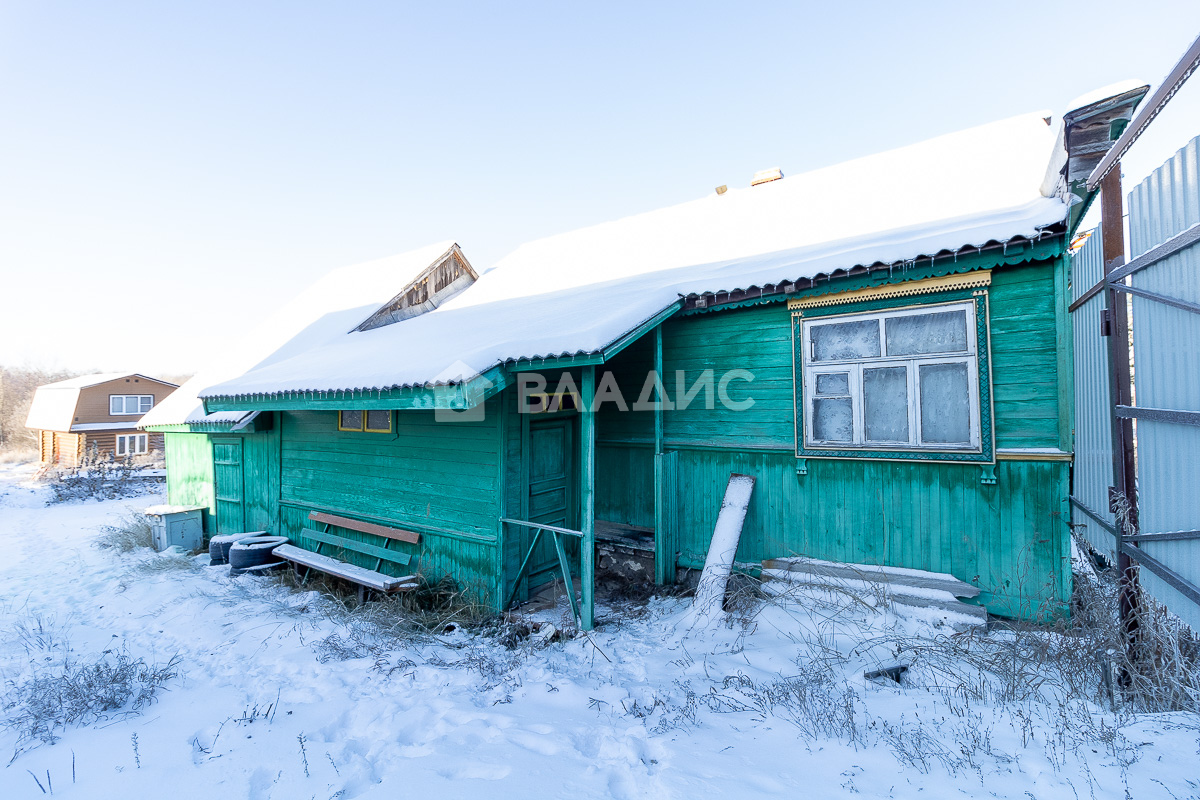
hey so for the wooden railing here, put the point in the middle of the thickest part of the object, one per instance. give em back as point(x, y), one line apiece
point(557, 533)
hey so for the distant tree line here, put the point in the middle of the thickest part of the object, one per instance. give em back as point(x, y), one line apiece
point(17, 385)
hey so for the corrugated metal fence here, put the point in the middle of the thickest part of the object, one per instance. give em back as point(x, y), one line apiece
point(1166, 349)
point(1163, 279)
point(1093, 406)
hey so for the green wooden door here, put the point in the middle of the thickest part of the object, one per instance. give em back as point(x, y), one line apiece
point(228, 484)
point(551, 490)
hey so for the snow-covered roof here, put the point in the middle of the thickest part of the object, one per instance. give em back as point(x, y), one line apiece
point(53, 406)
point(580, 291)
point(331, 307)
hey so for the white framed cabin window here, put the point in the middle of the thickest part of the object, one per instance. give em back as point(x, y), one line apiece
point(123, 404)
point(904, 381)
point(132, 444)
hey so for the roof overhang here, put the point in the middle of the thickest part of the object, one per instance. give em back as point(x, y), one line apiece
point(453, 395)
point(997, 254)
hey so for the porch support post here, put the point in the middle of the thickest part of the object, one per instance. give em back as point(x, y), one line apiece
point(658, 406)
point(587, 494)
point(664, 556)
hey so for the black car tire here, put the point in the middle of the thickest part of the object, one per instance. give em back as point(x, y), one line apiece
point(254, 551)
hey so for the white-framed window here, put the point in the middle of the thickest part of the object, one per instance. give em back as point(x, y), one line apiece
point(892, 380)
point(121, 404)
point(131, 444)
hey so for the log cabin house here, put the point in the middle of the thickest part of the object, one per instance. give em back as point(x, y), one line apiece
point(99, 412)
point(883, 344)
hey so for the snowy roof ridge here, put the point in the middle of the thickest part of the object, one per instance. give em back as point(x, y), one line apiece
point(965, 189)
point(549, 324)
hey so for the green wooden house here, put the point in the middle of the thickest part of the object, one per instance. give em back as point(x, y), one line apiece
point(884, 345)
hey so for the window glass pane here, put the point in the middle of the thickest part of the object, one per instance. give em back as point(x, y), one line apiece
point(147, 402)
point(833, 419)
point(120, 445)
point(142, 443)
point(885, 404)
point(379, 420)
point(352, 420)
point(845, 340)
point(943, 332)
point(833, 383)
point(945, 404)
point(116, 404)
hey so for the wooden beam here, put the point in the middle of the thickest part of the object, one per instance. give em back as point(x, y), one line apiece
point(587, 476)
point(653, 323)
point(1112, 241)
point(664, 556)
point(399, 534)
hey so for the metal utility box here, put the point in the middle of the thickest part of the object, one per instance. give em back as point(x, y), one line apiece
point(181, 526)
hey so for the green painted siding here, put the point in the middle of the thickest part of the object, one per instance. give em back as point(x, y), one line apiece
point(625, 471)
point(1025, 371)
point(441, 479)
point(625, 484)
point(260, 475)
point(1009, 539)
point(433, 475)
point(757, 339)
point(1025, 376)
point(190, 472)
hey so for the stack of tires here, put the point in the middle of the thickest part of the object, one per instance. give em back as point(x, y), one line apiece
point(255, 554)
point(218, 546)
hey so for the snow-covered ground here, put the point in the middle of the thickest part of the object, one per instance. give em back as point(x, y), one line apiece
point(276, 698)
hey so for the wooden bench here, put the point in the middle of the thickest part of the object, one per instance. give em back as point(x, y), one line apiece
point(364, 578)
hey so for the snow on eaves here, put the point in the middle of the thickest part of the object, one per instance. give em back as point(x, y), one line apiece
point(579, 291)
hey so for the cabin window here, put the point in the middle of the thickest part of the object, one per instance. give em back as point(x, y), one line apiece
point(905, 379)
point(369, 421)
point(120, 404)
point(132, 444)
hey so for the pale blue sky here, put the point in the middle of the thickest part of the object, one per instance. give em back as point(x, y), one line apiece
point(172, 171)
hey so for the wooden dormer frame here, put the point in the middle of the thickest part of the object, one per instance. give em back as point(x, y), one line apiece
point(448, 275)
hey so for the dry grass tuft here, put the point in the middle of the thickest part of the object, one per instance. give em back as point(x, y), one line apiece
point(131, 532)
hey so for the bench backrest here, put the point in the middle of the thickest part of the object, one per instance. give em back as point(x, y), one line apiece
point(372, 550)
point(386, 531)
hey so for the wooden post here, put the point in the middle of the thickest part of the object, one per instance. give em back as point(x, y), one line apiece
point(658, 405)
point(587, 509)
point(664, 556)
point(1112, 231)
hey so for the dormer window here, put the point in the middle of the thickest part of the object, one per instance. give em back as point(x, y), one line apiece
point(443, 279)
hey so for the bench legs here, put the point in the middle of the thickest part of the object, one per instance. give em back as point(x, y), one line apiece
point(364, 593)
